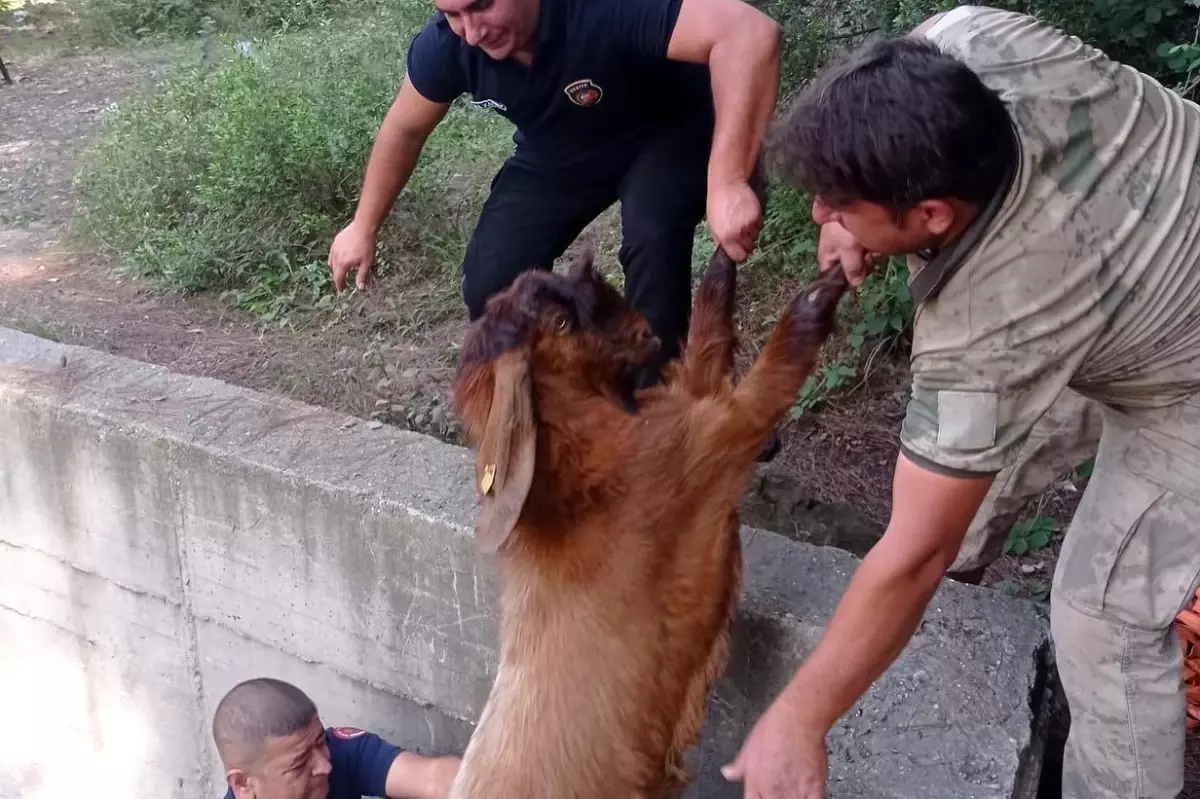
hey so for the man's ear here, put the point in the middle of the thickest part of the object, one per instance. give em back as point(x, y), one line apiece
point(239, 783)
point(505, 460)
point(937, 216)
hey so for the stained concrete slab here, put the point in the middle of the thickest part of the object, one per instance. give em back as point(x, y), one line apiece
point(163, 536)
point(961, 713)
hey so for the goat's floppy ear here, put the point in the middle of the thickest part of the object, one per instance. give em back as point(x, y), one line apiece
point(504, 463)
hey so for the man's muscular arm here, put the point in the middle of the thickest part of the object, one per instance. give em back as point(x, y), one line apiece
point(740, 45)
point(784, 756)
point(394, 155)
point(930, 515)
point(413, 776)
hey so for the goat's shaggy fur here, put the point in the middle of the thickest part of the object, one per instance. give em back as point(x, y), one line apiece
point(615, 515)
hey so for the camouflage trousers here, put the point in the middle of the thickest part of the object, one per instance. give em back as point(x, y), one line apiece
point(1130, 561)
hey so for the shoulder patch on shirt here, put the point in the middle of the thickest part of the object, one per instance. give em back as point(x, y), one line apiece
point(348, 733)
point(967, 419)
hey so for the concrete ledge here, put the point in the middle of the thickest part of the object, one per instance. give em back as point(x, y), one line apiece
point(162, 537)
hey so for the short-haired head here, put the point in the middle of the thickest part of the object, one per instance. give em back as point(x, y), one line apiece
point(254, 711)
point(896, 124)
point(271, 741)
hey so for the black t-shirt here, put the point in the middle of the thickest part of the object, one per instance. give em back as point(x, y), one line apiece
point(361, 761)
point(600, 81)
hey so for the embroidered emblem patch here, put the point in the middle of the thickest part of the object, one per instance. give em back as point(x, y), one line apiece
point(347, 733)
point(584, 92)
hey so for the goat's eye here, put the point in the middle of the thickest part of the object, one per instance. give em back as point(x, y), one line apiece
point(564, 324)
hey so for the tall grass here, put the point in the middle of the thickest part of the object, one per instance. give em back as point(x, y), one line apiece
point(242, 173)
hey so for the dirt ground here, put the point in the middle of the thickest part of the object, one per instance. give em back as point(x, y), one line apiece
point(830, 483)
point(832, 476)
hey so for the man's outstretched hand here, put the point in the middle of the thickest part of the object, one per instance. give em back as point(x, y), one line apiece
point(782, 757)
point(352, 249)
point(735, 217)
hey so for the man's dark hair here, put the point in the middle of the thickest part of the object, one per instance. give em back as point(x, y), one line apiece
point(254, 711)
point(896, 123)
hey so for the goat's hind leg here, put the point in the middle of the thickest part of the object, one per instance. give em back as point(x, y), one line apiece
point(708, 356)
point(691, 721)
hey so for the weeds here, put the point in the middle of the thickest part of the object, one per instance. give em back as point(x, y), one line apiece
point(118, 21)
point(237, 177)
point(1030, 535)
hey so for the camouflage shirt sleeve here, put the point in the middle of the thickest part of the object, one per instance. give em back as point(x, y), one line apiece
point(978, 387)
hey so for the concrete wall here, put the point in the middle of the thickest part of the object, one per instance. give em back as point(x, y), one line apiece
point(163, 537)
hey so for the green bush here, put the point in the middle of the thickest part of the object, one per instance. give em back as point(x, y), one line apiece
point(1137, 32)
point(243, 173)
point(118, 20)
point(237, 176)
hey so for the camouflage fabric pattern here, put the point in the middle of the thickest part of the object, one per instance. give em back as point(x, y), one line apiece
point(1129, 562)
point(1071, 319)
point(1066, 436)
point(1086, 275)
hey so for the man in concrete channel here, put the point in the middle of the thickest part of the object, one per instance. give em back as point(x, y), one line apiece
point(273, 745)
point(1048, 199)
point(658, 104)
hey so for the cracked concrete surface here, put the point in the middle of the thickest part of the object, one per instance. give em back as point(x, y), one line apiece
point(164, 536)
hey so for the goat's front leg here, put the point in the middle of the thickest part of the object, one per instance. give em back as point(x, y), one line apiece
point(708, 357)
point(787, 360)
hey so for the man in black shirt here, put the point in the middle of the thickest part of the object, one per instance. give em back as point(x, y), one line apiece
point(660, 104)
point(273, 745)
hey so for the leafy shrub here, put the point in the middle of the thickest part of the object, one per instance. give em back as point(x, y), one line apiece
point(118, 20)
point(1029, 535)
point(239, 176)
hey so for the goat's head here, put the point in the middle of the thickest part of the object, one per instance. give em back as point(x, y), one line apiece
point(574, 326)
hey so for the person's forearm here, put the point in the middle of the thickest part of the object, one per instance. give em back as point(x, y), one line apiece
point(871, 626)
point(393, 158)
point(745, 85)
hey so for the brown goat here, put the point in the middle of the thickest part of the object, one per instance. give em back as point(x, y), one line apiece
point(616, 517)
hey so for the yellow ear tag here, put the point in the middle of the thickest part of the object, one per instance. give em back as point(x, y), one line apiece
point(489, 476)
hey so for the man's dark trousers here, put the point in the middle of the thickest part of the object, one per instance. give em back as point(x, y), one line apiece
point(533, 214)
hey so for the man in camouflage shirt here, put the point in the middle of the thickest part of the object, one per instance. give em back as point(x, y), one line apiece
point(1049, 200)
